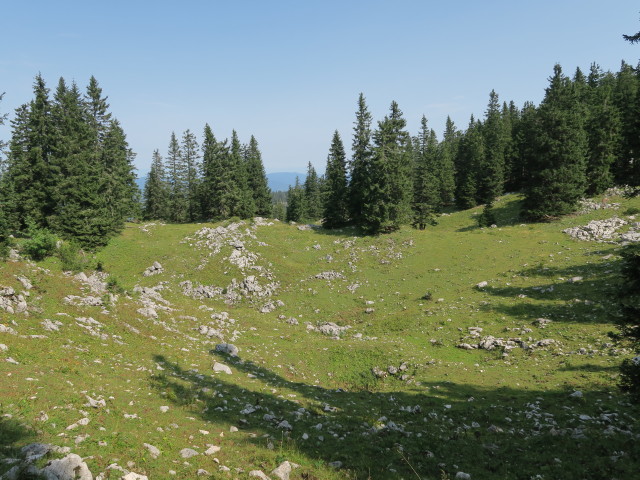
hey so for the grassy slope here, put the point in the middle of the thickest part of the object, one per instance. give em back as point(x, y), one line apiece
point(479, 413)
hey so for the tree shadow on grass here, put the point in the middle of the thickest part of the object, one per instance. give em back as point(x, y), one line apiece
point(13, 436)
point(506, 213)
point(423, 430)
point(582, 293)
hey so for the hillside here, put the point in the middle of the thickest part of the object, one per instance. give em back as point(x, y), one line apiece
point(357, 357)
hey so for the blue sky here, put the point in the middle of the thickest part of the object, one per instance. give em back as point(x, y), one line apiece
point(289, 72)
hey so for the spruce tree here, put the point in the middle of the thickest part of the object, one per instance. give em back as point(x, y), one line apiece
point(177, 181)
point(312, 195)
point(191, 157)
point(213, 154)
point(296, 211)
point(603, 130)
point(426, 188)
point(257, 180)
point(156, 192)
point(336, 201)
point(558, 173)
point(626, 99)
point(360, 165)
point(490, 174)
point(445, 163)
point(242, 199)
point(471, 155)
point(387, 199)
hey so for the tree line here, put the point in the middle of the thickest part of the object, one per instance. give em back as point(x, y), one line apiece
point(218, 181)
point(580, 140)
point(69, 168)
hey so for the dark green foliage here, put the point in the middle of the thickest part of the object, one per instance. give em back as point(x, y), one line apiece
point(336, 200)
point(312, 195)
point(426, 188)
point(360, 165)
point(491, 166)
point(257, 180)
point(190, 157)
point(41, 244)
point(387, 199)
point(558, 172)
point(156, 191)
point(471, 155)
point(177, 182)
point(445, 163)
point(603, 130)
point(296, 209)
point(487, 217)
point(72, 257)
point(629, 323)
point(69, 168)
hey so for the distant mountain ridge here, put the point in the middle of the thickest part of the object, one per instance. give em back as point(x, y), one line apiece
point(278, 181)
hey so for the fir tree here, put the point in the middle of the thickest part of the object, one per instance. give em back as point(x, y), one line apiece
point(558, 178)
point(191, 157)
point(360, 165)
point(387, 200)
point(426, 191)
point(336, 201)
point(626, 99)
point(177, 181)
point(296, 210)
point(242, 200)
point(257, 179)
point(603, 130)
point(445, 163)
point(312, 195)
point(490, 174)
point(156, 194)
point(471, 155)
point(213, 158)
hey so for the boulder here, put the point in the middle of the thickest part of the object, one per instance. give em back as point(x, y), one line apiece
point(70, 467)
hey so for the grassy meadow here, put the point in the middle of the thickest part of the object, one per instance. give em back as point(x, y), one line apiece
point(409, 299)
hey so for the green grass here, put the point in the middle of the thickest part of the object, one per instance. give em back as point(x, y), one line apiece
point(457, 410)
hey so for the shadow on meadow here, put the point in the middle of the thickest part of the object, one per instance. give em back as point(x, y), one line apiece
point(506, 214)
point(581, 293)
point(426, 431)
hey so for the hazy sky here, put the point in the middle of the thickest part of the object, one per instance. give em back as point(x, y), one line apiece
point(289, 72)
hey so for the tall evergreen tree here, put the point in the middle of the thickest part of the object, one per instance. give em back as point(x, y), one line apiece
point(191, 157)
point(177, 181)
point(312, 195)
point(296, 211)
point(213, 169)
point(426, 188)
point(257, 179)
point(360, 165)
point(156, 192)
point(471, 155)
point(490, 175)
point(387, 200)
point(558, 178)
point(626, 99)
point(445, 163)
point(336, 201)
point(244, 206)
point(603, 130)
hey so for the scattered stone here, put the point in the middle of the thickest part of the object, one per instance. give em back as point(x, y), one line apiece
point(462, 476)
point(95, 403)
point(337, 464)
point(597, 230)
point(153, 270)
point(542, 322)
point(188, 453)
point(67, 468)
point(221, 367)
point(202, 472)
point(258, 474)
point(154, 451)
point(331, 329)
point(227, 348)
point(212, 449)
point(482, 284)
point(576, 394)
point(134, 476)
point(330, 275)
point(164, 409)
point(283, 471)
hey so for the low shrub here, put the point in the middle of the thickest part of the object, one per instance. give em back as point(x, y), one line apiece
point(41, 245)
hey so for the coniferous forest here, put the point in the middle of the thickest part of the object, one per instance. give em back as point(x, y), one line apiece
point(70, 170)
